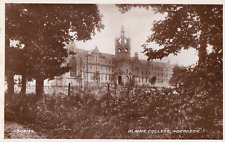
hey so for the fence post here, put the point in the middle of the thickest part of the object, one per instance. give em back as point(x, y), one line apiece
point(69, 89)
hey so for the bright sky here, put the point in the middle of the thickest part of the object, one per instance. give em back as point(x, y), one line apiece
point(137, 25)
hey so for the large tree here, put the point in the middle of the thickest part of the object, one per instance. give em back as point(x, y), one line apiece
point(184, 27)
point(199, 27)
point(44, 29)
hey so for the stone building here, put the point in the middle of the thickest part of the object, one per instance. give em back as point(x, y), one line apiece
point(91, 67)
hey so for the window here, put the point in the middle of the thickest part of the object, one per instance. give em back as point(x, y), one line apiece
point(119, 50)
point(126, 50)
point(96, 58)
point(105, 77)
point(162, 75)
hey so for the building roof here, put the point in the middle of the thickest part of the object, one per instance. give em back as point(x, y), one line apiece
point(81, 52)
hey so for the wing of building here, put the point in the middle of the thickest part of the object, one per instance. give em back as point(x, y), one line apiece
point(91, 67)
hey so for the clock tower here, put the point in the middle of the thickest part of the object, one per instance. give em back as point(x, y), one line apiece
point(122, 49)
point(122, 58)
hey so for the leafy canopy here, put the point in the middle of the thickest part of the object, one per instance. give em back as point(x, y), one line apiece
point(185, 26)
point(45, 28)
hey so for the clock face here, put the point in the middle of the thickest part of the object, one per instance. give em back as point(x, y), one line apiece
point(126, 50)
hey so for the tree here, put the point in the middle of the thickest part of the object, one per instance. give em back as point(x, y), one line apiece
point(187, 26)
point(13, 62)
point(153, 80)
point(44, 29)
point(198, 27)
point(11, 67)
point(178, 76)
point(184, 26)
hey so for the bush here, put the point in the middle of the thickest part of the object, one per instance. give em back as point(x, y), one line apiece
point(83, 116)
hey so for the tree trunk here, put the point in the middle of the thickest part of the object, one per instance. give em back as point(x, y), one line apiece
point(23, 89)
point(39, 86)
point(202, 52)
point(10, 84)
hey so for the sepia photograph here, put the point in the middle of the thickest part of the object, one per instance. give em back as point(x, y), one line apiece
point(137, 71)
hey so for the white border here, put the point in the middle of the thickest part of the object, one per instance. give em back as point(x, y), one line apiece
point(2, 53)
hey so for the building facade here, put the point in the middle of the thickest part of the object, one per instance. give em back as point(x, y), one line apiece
point(91, 67)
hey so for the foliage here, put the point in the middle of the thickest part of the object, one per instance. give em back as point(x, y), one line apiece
point(153, 80)
point(185, 26)
point(14, 61)
point(44, 29)
point(198, 27)
point(126, 7)
point(83, 116)
point(178, 76)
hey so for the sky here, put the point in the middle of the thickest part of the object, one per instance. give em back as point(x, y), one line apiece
point(137, 25)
